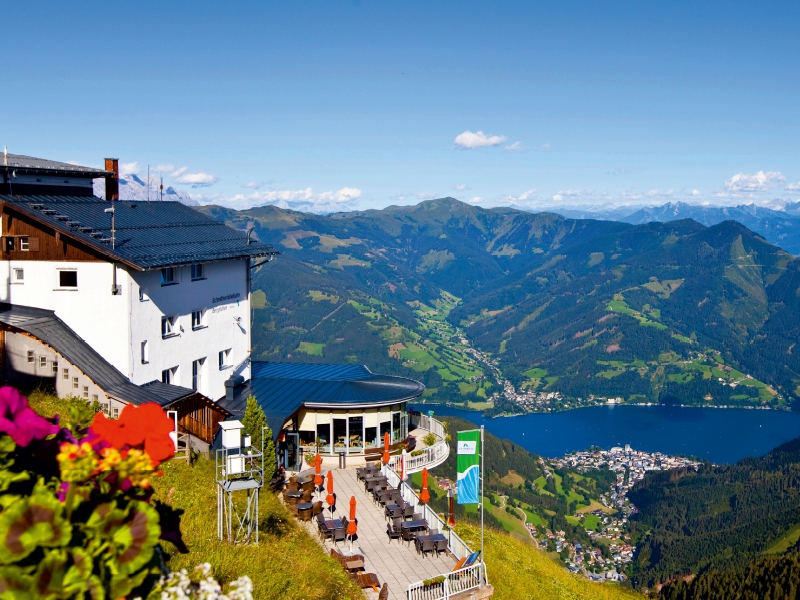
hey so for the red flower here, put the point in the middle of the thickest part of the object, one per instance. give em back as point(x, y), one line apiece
point(146, 427)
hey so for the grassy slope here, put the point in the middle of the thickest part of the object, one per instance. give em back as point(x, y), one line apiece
point(518, 571)
point(287, 563)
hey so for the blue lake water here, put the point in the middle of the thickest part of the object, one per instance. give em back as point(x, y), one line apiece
point(718, 435)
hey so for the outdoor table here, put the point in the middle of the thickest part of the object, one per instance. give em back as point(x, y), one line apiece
point(354, 565)
point(415, 525)
point(394, 507)
point(306, 479)
point(437, 537)
point(333, 524)
point(294, 496)
point(304, 506)
point(304, 510)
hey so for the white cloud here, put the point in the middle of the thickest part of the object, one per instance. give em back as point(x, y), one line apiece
point(425, 195)
point(164, 167)
point(479, 139)
point(758, 182)
point(571, 194)
point(197, 179)
point(254, 184)
point(131, 168)
point(793, 187)
point(303, 200)
point(545, 147)
point(475, 200)
point(461, 186)
point(696, 193)
point(516, 147)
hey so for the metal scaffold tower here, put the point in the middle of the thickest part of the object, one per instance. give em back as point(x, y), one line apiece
point(239, 468)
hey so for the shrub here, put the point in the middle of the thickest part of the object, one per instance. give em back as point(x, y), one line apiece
point(255, 424)
point(429, 439)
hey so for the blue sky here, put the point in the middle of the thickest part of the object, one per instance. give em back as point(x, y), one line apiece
point(364, 104)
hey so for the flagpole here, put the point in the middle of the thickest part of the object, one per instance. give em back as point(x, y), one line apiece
point(482, 498)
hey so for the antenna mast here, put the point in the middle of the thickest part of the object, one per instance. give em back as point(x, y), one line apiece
point(148, 183)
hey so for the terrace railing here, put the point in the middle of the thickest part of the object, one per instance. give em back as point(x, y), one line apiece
point(449, 584)
point(455, 544)
point(429, 423)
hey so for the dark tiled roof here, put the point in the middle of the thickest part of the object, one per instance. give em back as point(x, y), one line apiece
point(42, 165)
point(148, 234)
point(47, 327)
point(282, 388)
point(169, 392)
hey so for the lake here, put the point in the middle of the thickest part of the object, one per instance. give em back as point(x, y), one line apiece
point(718, 435)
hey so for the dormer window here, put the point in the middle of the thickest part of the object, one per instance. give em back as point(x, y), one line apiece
point(197, 272)
point(168, 276)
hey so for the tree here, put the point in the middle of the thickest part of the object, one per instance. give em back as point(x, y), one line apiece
point(255, 422)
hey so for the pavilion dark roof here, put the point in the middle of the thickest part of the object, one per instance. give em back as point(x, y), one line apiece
point(283, 388)
point(149, 235)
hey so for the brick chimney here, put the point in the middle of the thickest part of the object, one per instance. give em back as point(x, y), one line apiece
point(112, 181)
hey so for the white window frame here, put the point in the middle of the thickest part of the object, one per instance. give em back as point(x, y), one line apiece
point(24, 244)
point(55, 368)
point(42, 362)
point(169, 276)
point(169, 327)
point(224, 358)
point(198, 366)
point(145, 357)
point(66, 288)
point(200, 321)
point(19, 276)
point(197, 272)
point(65, 374)
point(171, 375)
point(31, 357)
point(75, 384)
point(143, 297)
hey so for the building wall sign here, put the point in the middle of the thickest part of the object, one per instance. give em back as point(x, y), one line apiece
point(217, 299)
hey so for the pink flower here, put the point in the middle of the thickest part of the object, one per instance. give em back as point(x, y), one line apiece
point(20, 421)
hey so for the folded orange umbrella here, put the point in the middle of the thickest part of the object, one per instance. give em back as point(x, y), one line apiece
point(330, 499)
point(317, 470)
point(424, 495)
point(386, 448)
point(351, 526)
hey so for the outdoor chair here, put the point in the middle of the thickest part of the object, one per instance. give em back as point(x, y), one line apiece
point(320, 518)
point(392, 533)
point(339, 535)
point(316, 509)
point(306, 496)
point(433, 531)
point(426, 546)
point(397, 523)
point(397, 512)
point(408, 535)
point(304, 515)
point(308, 486)
point(292, 486)
point(344, 559)
point(417, 517)
point(408, 512)
point(324, 532)
point(441, 546)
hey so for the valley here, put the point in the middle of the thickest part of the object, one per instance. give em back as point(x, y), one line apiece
point(509, 312)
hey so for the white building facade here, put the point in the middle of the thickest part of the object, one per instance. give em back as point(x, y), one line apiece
point(163, 295)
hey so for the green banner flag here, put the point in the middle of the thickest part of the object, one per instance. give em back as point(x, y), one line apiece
point(468, 464)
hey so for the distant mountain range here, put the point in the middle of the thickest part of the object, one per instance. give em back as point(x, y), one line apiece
point(780, 227)
point(671, 312)
point(132, 187)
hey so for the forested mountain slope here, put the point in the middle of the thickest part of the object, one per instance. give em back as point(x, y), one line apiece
point(719, 518)
point(662, 311)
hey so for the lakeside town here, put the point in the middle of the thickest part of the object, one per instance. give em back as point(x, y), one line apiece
point(611, 548)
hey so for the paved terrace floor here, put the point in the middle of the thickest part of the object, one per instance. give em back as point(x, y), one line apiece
point(396, 563)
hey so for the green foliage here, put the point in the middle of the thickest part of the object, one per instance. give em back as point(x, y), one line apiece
point(76, 518)
point(429, 439)
point(550, 305)
point(719, 518)
point(770, 578)
point(255, 424)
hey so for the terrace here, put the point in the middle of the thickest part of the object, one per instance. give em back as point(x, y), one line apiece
point(401, 560)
